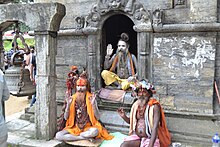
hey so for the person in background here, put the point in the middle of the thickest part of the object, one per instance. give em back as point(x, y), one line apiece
point(7, 55)
point(33, 70)
point(4, 95)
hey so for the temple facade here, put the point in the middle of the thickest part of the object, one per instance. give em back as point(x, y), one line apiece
point(176, 43)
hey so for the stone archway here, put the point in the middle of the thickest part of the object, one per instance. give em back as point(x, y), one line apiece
point(142, 25)
point(111, 30)
point(45, 20)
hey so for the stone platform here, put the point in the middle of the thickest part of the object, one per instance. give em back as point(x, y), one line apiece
point(21, 133)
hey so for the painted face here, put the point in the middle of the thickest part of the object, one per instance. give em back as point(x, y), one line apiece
point(80, 88)
point(142, 92)
point(122, 46)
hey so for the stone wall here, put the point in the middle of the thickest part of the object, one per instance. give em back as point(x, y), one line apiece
point(71, 50)
point(183, 71)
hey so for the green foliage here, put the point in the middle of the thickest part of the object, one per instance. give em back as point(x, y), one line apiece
point(22, 26)
point(7, 43)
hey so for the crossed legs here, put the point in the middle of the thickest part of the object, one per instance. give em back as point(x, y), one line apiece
point(64, 135)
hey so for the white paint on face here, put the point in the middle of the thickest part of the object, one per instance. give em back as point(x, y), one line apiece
point(122, 46)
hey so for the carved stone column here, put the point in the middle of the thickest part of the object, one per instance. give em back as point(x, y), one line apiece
point(45, 107)
point(92, 61)
point(143, 55)
point(144, 49)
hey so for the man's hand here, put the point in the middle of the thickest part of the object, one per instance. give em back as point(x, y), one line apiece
point(92, 98)
point(109, 50)
point(68, 99)
point(121, 112)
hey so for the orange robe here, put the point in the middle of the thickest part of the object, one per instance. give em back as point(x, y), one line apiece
point(74, 129)
point(163, 133)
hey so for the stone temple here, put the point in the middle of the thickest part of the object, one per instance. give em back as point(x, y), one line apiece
point(176, 43)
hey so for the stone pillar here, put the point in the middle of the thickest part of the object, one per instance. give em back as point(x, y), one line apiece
point(144, 62)
point(1, 66)
point(216, 105)
point(45, 107)
point(92, 61)
point(1, 51)
point(217, 74)
point(144, 50)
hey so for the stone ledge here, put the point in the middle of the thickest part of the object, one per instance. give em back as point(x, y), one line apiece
point(179, 114)
point(19, 141)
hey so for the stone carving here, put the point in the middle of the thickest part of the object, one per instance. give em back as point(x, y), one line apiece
point(94, 16)
point(114, 4)
point(80, 22)
point(157, 17)
point(140, 14)
point(130, 7)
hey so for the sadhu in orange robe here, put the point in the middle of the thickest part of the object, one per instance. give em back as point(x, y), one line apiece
point(73, 129)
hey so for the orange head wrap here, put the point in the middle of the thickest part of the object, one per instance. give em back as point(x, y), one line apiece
point(73, 68)
point(81, 82)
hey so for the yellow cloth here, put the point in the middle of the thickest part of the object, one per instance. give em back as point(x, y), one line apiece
point(110, 77)
point(74, 129)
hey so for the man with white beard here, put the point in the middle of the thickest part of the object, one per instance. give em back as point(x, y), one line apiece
point(122, 65)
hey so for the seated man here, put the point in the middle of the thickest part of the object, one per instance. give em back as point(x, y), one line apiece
point(147, 121)
point(82, 116)
point(122, 64)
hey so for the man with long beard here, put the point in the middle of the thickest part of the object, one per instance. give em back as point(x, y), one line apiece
point(122, 64)
point(82, 116)
point(147, 120)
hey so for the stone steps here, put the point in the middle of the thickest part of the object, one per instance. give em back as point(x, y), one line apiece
point(29, 114)
point(21, 133)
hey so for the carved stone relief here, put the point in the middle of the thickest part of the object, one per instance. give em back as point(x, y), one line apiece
point(80, 22)
point(131, 7)
point(157, 17)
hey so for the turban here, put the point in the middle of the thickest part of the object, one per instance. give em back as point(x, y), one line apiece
point(73, 68)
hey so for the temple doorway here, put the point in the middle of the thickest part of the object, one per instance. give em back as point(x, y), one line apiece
point(112, 28)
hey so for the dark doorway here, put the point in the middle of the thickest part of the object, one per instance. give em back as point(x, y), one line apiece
point(112, 28)
point(116, 25)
